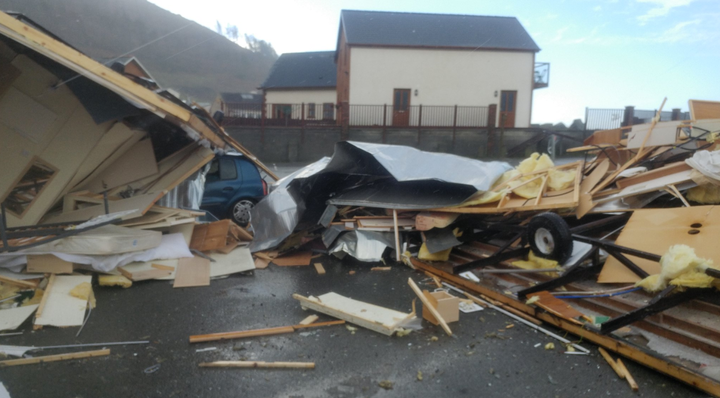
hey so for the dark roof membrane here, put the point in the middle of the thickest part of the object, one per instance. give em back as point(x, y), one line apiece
point(303, 70)
point(435, 30)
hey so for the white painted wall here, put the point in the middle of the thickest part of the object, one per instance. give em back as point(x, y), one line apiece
point(300, 96)
point(297, 97)
point(442, 77)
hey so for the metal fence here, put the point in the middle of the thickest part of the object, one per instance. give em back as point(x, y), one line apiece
point(326, 114)
point(606, 119)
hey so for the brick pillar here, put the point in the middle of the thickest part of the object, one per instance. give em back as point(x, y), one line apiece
point(491, 134)
point(628, 116)
point(675, 114)
point(344, 111)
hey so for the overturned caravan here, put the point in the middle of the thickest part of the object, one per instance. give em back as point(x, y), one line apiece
point(80, 140)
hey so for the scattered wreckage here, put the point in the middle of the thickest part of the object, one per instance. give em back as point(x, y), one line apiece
point(616, 248)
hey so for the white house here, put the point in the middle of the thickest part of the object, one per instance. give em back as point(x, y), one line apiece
point(409, 69)
point(407, 59)
point(298, 79)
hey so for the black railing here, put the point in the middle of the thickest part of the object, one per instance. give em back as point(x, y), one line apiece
point(300, 115)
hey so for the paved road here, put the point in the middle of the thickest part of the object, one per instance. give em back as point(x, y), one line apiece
point(485, 359)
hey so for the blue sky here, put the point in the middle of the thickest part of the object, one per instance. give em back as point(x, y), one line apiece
point(603, 53)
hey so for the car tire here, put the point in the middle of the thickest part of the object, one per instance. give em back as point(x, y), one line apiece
point(549, 237)
point(240, 212)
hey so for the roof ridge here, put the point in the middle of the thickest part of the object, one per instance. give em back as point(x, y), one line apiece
point(430, 13)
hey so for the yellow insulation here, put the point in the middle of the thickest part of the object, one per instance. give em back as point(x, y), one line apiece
point(680, 266)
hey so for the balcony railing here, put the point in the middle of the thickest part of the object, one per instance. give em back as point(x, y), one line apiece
point(541, 75)
point(319, 115)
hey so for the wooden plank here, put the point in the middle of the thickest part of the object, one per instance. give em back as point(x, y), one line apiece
point(319, 268)
point(380, 269)
point(640, 153)
point(645, 357)
point(258, 364)
point(48, 263)
point(135, 164)
point(310, 319)
point(210, 236)
point(627, 376)
point(163, 267)
point(373, 317)
point(261, 263)
point(295, 259)
point(666, 170)
point(54, 358)
point(319, 324)
point(192, 272)
point(45, 296)
point(239, 335)
point(429, 306)
point(611, 362)
point(144, 275)
point(554, 305)
point(17, 282)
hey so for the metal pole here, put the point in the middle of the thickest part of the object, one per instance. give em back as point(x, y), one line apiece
point(3, 224)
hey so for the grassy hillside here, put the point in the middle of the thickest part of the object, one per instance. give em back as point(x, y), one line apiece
point(194, 61)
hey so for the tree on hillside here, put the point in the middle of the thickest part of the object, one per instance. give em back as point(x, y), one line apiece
point(260, 46)
point(218, 27)
point(232, 33)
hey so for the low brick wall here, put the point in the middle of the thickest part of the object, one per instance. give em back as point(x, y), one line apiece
point(283, 145)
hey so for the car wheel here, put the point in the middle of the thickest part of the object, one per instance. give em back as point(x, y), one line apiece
point(240, 212)
point(549, 237)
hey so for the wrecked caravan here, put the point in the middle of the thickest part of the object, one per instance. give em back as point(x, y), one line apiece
point(76, 133)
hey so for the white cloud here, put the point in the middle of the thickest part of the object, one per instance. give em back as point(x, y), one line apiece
point(560, 33)
point(597, 8)
point(678, 32)
point(662, 8)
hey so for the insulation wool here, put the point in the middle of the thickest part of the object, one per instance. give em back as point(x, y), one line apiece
point(535, 262)
point(680, 266)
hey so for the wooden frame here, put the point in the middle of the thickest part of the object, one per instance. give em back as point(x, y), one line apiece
point(638, 354)
point(35, 160)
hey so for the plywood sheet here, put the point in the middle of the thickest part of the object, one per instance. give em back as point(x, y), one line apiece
point(655, 230)
point(192, 272)
point(704, 109)
point(373, 317)
point(210, 236)
point(238, 260)
point(48, 263)
point(294, 259)
point(25, 116)
point(61, 309)
point(12, 318)
point(113, 144)
point(137, 163)
point(664, 133)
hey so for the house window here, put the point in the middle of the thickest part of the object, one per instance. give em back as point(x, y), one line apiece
point(328, 111)
point(282, 111)
point(31, 185)
point(311, 111)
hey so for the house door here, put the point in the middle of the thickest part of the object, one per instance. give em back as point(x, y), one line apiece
point(507, 108)
point(401, 107)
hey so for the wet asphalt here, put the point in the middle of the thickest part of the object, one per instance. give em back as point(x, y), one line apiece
point(486, 358)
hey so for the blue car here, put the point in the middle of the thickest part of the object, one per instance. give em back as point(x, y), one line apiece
point(232, 187)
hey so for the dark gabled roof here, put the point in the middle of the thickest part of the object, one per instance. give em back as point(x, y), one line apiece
point(241, 98)
point(303, 70)
point(434, 30)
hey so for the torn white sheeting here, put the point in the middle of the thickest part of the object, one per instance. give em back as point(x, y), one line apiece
point(19, 276)
point(12, 318)
point(171, 246)
point(62, 309)
point(706, 162)
point(3, 392)
point(363, 245)
point(105, 240)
